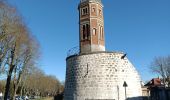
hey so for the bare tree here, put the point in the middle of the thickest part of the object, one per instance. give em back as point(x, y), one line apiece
point(17, 47)
point(24, 61)
point(18, 55)
point(161, 66)
point(7, 41)
point(39, 84)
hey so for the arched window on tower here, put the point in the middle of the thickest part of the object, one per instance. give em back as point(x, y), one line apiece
point(84, 11)
point(101, 32)
point(94, 31)
point(84, 32)
point(88, 30)
point(93, 9)
point(100, 12)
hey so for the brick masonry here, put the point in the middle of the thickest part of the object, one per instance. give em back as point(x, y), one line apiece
point(100, 75)
point(94, 18)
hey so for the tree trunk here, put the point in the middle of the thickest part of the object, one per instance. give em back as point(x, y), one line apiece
point(14, 91)
point(12, 66)
point(8, 81)
point(13, 97)
point(21, 91)
point(16, 84)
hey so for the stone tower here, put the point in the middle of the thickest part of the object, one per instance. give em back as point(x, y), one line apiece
point(96, 74)
point(91, 26)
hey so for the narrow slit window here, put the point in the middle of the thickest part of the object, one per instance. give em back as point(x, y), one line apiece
point(100, 12)
point(94, 31)
point(93, 9)
point(84, 32)
point(88, 30)
point(101, 31)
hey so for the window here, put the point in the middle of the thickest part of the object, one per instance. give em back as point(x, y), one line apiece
point(84, 11)
point(93, 9)
point(86, 31)
point(101, 33)
point(94, 31)
point(100, 12)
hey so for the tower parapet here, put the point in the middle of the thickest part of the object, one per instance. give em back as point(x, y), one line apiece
point(100, 76)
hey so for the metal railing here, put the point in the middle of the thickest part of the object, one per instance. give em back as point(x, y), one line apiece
point(73, 51)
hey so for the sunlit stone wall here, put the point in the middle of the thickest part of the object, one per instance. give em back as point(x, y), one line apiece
point(100, 75)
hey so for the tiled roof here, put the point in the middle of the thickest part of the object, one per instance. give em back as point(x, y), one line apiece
point(154, 82)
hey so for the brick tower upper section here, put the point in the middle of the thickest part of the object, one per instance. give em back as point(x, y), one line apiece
point(91, 26)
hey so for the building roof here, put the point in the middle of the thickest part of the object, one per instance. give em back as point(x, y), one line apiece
point(154, 82)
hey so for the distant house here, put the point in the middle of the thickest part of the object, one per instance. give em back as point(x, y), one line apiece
point(145, 91)
point(155, 82)
point(157, 90)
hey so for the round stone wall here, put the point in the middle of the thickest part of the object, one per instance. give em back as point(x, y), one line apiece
point(100, 76)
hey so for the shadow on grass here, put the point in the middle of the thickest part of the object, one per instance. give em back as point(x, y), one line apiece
point(59, 97)
point(139, 98)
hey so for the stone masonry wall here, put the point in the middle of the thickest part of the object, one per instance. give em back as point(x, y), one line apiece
point(100, 76)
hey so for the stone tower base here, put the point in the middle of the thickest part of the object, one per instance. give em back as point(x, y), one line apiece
point(100, 76)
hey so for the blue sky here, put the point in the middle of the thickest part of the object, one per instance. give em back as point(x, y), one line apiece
point(140, 28)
